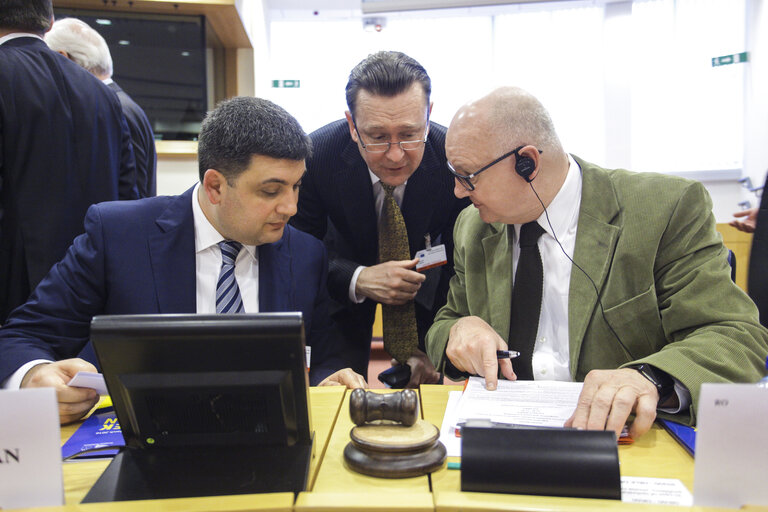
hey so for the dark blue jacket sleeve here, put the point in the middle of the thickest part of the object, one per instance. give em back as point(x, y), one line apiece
point(55, 322)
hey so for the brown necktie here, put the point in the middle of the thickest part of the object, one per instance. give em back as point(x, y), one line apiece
point(398, 322)
point(526, 300)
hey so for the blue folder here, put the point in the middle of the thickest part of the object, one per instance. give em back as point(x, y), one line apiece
point(684, 434)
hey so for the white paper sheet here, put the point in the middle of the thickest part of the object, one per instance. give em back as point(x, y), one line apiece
point(89, 380)
point(522, 402)
point(448, 435)
point(655, 491)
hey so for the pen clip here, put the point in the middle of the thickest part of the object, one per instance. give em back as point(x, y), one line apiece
point(427, 241)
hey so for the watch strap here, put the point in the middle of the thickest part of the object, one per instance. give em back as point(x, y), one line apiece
point(665, 384)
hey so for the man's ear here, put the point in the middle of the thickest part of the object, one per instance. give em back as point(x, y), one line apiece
point(351, 123)
point(214, 184)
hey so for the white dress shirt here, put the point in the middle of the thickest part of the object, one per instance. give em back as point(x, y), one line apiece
point(208, 265)
point(378, 202)
point(551, 350)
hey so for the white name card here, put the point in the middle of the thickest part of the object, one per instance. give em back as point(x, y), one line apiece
point(731, 461)
point(30, 449)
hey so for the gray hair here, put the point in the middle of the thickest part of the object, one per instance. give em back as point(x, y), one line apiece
point(83, 44)
point(516, 115)
point(241, 127)
point(26, 15)
point(386, 74)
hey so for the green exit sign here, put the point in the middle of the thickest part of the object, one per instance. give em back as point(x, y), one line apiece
point(736, 58)
point(286, 84)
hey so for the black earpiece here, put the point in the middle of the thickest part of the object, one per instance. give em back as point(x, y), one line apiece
point(525, 166)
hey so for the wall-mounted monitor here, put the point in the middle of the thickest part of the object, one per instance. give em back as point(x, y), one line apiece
point(160, 61)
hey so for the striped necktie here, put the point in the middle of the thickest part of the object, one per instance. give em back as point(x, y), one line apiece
point(399, 331)
point(228, 298)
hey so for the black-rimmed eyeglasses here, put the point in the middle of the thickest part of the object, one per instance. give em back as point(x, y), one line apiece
point(466, 180)
point(383, 147)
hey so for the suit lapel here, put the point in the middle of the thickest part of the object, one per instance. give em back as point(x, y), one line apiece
point(356, 196)
point(497, 249)
point(172, 254)
point(596, 239)
point(276, 287)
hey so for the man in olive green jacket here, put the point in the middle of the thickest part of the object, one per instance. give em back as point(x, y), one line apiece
point(646, 243)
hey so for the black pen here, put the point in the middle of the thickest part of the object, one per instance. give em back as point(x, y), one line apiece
point(507, 354)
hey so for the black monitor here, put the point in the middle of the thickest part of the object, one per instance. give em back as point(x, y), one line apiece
point(208, 404)
point(160, 61)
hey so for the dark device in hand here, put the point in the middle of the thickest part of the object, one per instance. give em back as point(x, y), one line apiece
point(397, 376)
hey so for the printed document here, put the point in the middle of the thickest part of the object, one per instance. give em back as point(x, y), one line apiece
point(519, 402)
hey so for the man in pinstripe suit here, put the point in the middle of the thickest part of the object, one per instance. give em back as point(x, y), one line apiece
point(386, 139)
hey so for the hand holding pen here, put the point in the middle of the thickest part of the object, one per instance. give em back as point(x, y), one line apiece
point(474, 346)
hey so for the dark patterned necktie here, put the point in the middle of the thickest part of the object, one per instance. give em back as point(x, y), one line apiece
point(228, 299)
point(398, 322)
point(526, 300)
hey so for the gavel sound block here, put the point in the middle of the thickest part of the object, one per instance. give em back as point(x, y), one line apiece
point(390, 440)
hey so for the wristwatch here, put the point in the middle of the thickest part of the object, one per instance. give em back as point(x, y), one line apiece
point(665, 385)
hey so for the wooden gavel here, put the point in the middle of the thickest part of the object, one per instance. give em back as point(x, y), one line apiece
point(366, 406)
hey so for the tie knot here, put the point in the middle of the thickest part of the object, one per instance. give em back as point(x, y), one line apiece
point(229, 251)
point(388, 189)
point(530, 233)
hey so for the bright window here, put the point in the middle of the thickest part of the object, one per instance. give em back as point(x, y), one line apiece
point(629, 85)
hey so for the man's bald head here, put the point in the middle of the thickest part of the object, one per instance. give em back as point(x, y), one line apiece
point(507, 117)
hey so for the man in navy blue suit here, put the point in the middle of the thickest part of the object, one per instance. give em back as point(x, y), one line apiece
point(162, 255)
point(64, 145)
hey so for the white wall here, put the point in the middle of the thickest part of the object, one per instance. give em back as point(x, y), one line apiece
point(330, 71)
point(176, 174)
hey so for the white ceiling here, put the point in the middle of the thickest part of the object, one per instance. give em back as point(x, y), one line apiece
point(314, 5)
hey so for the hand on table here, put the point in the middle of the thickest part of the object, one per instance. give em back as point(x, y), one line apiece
point(346, 377)
point(609, 396)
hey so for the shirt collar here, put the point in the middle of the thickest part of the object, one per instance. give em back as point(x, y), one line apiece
point(16, 35)
point(564, 208)
point(375, 179)
point(563, 211)
point(206, 235)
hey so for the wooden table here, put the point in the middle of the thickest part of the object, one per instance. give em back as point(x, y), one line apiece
point(656, 454)
point(80, 476)
point(339, 488)
point(333, 486)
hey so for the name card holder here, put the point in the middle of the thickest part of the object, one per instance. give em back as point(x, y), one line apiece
point(30, 449)
point(543, 461)
point(731, 446)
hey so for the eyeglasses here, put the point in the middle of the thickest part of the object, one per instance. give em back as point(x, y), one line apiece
point(465, 180)
point(383, 147)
